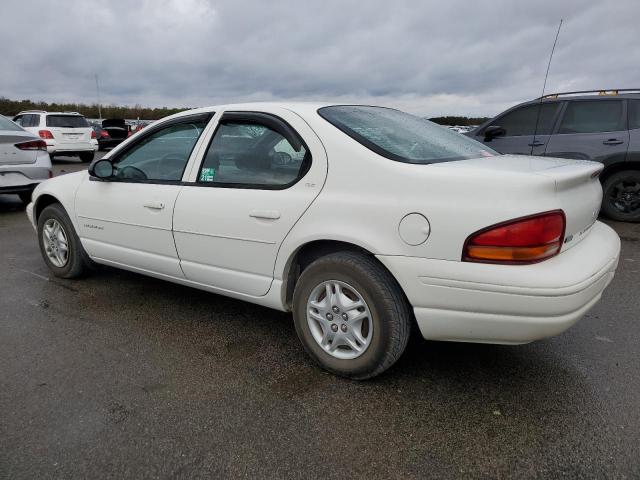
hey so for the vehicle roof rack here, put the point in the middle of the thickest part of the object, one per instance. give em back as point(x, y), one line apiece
point(73, 113)
point(602, 93)
point(31, 111)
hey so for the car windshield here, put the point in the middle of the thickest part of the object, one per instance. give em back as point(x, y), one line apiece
point(403, 137)
point(6, 124)
point(67, 121)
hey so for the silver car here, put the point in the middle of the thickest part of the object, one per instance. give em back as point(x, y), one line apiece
point(24, 161)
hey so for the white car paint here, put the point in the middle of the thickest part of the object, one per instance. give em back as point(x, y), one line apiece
point(241, 242)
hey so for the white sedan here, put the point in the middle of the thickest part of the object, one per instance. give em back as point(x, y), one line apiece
point(359, 220)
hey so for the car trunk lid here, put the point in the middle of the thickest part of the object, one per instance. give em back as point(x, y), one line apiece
point(116, 127)
point(578, 190)
point(10, 154)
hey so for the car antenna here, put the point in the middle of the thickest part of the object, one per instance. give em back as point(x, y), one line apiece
point(544, 86)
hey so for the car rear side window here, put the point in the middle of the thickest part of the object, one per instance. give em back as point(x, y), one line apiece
point(252, 155)
point(592, 116)
point(68, 121)
point(522, 121)
point(402, 137)
point(634, 114)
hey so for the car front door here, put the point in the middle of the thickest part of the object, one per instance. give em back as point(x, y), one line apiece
point(259, 173)
point(591, 130)
point(126, 220)
point(521, 134)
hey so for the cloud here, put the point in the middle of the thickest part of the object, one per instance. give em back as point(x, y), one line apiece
point(430, 57)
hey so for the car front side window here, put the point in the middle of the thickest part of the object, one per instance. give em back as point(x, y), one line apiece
point(248, 154)
point(162, 155)
point(522, 121)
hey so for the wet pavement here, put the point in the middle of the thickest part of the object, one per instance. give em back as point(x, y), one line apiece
point(123, 376)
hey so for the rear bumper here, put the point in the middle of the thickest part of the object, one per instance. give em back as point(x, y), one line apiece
point(71, 148)
point(24, 177)
point(510, 304)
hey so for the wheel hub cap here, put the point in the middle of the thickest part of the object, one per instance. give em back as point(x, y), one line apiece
point(56, 245)
point(339, 319)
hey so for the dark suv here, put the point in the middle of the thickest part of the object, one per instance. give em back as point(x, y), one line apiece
point(603, 126)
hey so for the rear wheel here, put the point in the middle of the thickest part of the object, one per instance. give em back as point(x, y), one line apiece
point(60, 246)
point(351, 315)
point(621, 196)
point(86, 156)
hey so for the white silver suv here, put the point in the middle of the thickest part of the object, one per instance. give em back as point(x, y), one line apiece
point(66, 133)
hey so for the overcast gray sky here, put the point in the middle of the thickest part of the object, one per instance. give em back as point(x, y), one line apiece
point(426, 57)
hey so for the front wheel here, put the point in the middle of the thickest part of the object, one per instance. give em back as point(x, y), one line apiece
point(621, 196)
point(60, 246)
point(351, 315)
point(86, 156)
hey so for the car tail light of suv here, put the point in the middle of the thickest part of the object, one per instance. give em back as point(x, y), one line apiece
point(523, 240)
point(46, 134)
point(32, 145)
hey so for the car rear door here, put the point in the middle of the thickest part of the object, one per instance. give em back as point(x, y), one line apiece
point(591, 130)
point(258, 174)
point(521, 134)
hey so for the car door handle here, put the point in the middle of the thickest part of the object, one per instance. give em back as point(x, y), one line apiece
point(154, 205)
point(267, 214)
point(536, 144)
point(613, 141)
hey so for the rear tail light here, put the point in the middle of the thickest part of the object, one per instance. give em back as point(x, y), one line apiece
point(523, 240)
point(129, 133)
point(46, 134)
point(32, 145)
point(93, 134)
point(50, 173)
point(104, 134)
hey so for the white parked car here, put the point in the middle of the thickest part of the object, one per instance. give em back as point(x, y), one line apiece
point(66, 133)
point(360, 220)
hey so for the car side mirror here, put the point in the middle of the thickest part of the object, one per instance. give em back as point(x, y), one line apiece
point(101, 169)
point(493, 131)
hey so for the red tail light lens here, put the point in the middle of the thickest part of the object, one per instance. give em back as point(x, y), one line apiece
point(46, 134)
point(93, 134)
point(104, 134)
point(523, 240)
point(129, 133)
point(32, 145)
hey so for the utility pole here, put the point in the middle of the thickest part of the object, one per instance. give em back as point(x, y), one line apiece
point(98, 90)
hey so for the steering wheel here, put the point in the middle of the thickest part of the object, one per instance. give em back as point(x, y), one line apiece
point(132, 173)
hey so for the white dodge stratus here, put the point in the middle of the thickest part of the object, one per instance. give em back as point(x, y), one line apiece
point(358, 219)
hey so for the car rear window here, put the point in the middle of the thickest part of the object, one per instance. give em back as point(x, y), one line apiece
point(6, 124)
point(68, 121)
point(402, 137)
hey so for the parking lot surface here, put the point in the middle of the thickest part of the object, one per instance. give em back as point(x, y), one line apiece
point(123, 376)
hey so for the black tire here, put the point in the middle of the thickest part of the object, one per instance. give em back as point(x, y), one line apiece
point(391, 314)
point(87, 156)
point(614, 204)
point(25, 197)
point(78, 262)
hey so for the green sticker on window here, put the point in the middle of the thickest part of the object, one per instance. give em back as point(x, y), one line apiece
point(207, 174)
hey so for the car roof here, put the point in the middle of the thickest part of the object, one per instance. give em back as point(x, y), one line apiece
point(49, 113)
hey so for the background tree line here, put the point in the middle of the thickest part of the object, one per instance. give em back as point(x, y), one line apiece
point(13, 107)
point(453, 120)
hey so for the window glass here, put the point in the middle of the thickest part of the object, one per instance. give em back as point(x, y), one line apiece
point(68, 121)
point(6, 124)
point(402, 137)
point(592, 116)
point(522, 121)
point(34, 120)
point(18, 119)
point(162, 155)
point(634, 114)
point(253, 155)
